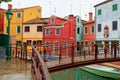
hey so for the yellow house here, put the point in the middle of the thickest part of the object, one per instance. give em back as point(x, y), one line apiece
point(33, 31)
point(19, 17)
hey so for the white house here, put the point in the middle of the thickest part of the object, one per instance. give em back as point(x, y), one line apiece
point(108, 20)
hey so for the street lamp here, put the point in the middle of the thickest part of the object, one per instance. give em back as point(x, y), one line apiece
point(9, 17)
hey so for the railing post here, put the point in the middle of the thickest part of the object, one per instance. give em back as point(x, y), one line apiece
point(60, 54)
point(21, 52)
point(96, 51)
point(72, 55)
point(26, 52)
point(16, 51)
point(115, 50)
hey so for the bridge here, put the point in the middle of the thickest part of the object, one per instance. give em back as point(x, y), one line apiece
point(58, 56)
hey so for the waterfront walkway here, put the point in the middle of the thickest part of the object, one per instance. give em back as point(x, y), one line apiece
point(15, 69)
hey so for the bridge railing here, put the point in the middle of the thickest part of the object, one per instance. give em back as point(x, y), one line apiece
point(60, 53)
point(18, 51)
point(39, 68)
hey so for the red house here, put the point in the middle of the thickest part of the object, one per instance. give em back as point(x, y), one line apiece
point(89, 32)
point(58, 33)
point(2, 11)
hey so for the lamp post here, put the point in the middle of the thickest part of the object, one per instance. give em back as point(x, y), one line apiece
point(9, 17)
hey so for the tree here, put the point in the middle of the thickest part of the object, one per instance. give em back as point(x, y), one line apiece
point(4, 1)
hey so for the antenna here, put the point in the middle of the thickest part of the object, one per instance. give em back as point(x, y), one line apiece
point(19, 4)
point(80, 9)
point(54, 11)
point(90, 7)
point(50, 7)
point(85, 16)
point(71, 8)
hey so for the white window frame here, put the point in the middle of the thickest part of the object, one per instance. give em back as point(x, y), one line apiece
point(48, 45)
point(56, 31)
point(46, 31)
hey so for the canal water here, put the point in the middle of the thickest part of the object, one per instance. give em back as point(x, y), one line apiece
point(77, 74)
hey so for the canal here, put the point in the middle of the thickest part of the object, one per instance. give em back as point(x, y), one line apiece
point(78, 74)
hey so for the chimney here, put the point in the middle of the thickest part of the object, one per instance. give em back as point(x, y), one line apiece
point(71, 16)
point(10, 6)
point(90, 16)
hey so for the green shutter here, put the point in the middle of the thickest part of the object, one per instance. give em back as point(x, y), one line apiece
point(92, 29)
point(114, 7)
point(18, 29)
point(99, 12)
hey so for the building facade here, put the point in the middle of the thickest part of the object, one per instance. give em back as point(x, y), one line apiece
point(61, 32)
point(89, 30)
point(19, 17)
point(33, 31)
point(108, 20)
point(2, 11)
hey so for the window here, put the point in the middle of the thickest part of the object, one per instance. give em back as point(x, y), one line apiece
point(99, 27)
point(18, 29)
point(78, 20)
point(86, 30)
point(57, 31)
point(78, 46)
point(39, 42)
point(34, 42)
point(92, 30)
point(28, 42)
point(99, 12)
point(39, 28)
point(18, 15)
point(47, 31)
point(78, 30)
point(114, 25)
point(18, 42)
point(52, 20)
point(47, 45)
point(27, 29)
point(86, 43)
point(114, 7)
point(65, 45)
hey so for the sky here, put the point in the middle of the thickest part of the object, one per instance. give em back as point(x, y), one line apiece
point(59, 8)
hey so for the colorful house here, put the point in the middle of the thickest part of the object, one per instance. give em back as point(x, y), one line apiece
point(60, 30)
point(19, 17)
point(33, 31)
point(2, 11)
point(89, 33)
point(108, 21)
point(89, 30)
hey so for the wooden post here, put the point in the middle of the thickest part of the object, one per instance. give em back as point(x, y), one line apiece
point(60, 54)
point(72, 55)
point(96, 51)
point(115, 50)
point(16, 51)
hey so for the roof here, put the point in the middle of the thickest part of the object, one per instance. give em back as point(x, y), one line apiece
point(36, 21)
point(106, 1)
point(21, 9)
point(88, 22)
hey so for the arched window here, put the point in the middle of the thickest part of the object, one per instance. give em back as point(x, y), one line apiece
point(106, 31)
